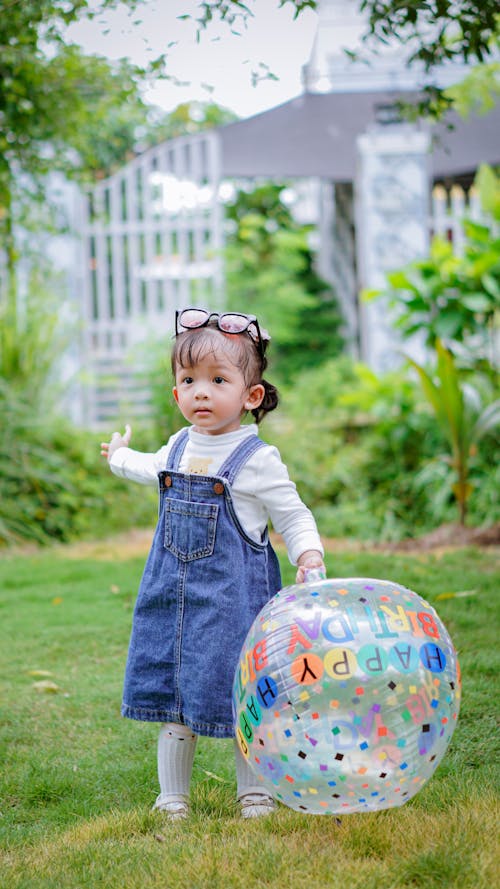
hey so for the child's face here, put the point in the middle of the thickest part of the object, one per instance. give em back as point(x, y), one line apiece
point(213, 395)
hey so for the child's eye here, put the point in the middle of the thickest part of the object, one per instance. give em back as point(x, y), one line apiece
point(218, 380)
point(187, 380)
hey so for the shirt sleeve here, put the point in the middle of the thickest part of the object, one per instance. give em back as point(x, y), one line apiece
point(140, 467)
point(290, 517)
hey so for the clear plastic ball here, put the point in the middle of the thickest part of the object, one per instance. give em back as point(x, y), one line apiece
point(346, 695)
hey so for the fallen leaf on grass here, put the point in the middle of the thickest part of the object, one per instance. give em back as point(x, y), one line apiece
point(39, 673)
point(57, 600)
point(45, 685)
point(212, 775)
point(460, 595)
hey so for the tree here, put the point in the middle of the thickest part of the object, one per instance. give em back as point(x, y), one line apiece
point(59, 110)
point(49, 89)
point(188, 118)
point(436, 31)
point(439, 30)
point(235, 13)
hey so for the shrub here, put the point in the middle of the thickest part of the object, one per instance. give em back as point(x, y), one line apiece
point(51, 484)
point(363, 448)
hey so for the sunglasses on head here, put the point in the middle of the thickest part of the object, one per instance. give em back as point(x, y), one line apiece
point(227, 322)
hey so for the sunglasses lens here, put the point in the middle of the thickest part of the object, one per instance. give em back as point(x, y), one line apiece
point(191, 318)
point(233, 323)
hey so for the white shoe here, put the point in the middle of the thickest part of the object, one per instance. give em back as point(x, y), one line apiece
point(174, 809)
point(255, 805)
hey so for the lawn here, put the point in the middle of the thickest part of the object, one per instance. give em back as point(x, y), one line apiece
point(78, 781)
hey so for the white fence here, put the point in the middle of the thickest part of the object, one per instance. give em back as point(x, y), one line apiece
point(152, 242)
point(449, 208)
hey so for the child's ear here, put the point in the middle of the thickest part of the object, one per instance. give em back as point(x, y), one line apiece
point(175, 394)
point(255, 397)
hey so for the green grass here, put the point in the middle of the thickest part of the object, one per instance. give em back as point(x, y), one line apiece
point(78, 781)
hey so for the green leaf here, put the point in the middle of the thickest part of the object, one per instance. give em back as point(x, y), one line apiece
point(488, 420)
point(399, 280)
point(367, 295)
point(441, 249)
point(488, 183)
point(476, 231)
point(476, 302)
point(447, 325)
point(430, 389)
point(491, 284)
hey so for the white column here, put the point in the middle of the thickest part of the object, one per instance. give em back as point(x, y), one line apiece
point(392, 227)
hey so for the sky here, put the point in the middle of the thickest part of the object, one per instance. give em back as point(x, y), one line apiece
point(222, 60)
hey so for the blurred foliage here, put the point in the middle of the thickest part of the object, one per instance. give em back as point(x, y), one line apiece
point(270, 272)
point(437, 33)
point(451, 302)
point(478, 92)
point(60, 110)
point(462, 415)
point(487, 180)
point(451, 297)
point(455, 297)
point(235, 13)
point(367, 455)
point(58, 105)
point(51, 486)
point(31, 335)
point(190, 117)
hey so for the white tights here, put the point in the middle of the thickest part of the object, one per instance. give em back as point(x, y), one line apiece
point(176, 749)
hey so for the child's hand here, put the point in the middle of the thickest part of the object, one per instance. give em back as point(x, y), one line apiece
point(310, 559)
point(117, 441)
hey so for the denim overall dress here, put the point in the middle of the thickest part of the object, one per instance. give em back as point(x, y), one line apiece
point(204, 582)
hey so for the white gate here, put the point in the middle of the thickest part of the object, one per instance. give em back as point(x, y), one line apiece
point(153, 239)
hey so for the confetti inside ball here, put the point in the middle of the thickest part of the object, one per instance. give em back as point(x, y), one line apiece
point(346, 695)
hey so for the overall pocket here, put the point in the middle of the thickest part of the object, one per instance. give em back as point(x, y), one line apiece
point(190, 529)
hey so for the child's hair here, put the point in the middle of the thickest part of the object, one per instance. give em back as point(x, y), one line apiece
point(192, 346)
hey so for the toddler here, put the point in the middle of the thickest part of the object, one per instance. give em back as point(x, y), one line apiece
point(211, 567)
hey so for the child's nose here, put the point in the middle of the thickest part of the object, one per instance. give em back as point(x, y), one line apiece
point(201, 391)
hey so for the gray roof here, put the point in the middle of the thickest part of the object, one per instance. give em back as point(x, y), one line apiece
point(315, 135)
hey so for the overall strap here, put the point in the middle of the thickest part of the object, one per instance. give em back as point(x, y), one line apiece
point(237, 458)
point(174, 457)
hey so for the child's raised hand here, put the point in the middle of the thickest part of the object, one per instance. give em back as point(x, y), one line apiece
point(117, 441)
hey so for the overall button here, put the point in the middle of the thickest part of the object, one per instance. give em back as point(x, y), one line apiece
point(219, 488)
point(168, 481)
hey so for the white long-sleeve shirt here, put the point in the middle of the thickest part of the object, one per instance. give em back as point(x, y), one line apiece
point(262, 490)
